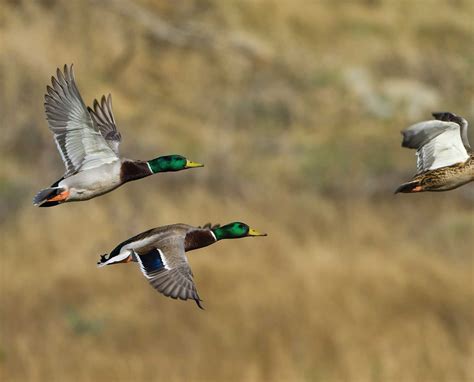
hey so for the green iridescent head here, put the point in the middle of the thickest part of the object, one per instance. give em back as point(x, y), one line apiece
point(171, 163)
point(235, 230)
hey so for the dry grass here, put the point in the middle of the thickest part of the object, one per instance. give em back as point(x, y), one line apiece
point(351, 300)
point(352, 283)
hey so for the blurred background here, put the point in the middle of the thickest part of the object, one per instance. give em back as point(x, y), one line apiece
point(295, 107)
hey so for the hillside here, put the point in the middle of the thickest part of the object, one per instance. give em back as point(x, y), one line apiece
point(295, 108)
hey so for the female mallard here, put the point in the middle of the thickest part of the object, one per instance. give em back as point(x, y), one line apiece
point(88, 142)
point(160, 252)
point(444, 157)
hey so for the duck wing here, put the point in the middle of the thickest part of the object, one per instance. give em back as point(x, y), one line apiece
point(104, 118)
point(166, 268)
point(451, 117)
point(437, 143)
point(77, 137)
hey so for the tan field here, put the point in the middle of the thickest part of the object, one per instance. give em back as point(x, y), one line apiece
point(295, 108)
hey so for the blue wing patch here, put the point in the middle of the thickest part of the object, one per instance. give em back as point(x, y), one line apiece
point(152, 261)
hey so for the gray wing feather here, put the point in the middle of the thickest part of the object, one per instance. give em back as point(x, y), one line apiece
point(420, 133)
point(451, 117)
point(104, 118)
point(175, 279)
point(78, 139)
point(438, 144)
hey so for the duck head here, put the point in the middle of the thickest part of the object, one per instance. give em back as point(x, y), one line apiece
point(171, 163)
point(235, 230)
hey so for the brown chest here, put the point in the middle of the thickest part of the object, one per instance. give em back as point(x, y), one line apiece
point(198, 239)
point(133, 170)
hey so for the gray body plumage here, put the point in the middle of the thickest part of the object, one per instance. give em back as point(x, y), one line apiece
point(94, 182)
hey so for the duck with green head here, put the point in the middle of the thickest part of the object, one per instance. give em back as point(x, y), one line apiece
point(88, 141)
point(161, 254)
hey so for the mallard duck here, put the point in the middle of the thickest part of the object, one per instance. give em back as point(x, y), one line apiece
point(161, 254)
point(444, 157)
point(88, 141)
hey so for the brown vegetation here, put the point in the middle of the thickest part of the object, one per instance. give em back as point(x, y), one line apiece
point(295, 107)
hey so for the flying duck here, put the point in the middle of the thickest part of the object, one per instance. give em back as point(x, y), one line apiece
point(88, 141)
point(161, 254)
point(445, 159)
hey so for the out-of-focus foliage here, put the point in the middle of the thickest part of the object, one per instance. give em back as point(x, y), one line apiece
point(295, 107)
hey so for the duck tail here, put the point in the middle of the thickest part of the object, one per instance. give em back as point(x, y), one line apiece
point(115, 258)
point(102, 261)
point(409, 187)
point(42, 198)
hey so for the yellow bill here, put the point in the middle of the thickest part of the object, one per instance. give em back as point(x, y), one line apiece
point(190, 164)
point(253, 232)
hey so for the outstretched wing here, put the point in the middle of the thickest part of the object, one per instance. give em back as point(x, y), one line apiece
point(438, 144)
point(78, 139)
point(451, 117)
point(167, 270)
point(104, 119)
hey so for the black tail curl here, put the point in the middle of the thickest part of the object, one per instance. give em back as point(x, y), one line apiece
point(407, 187)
